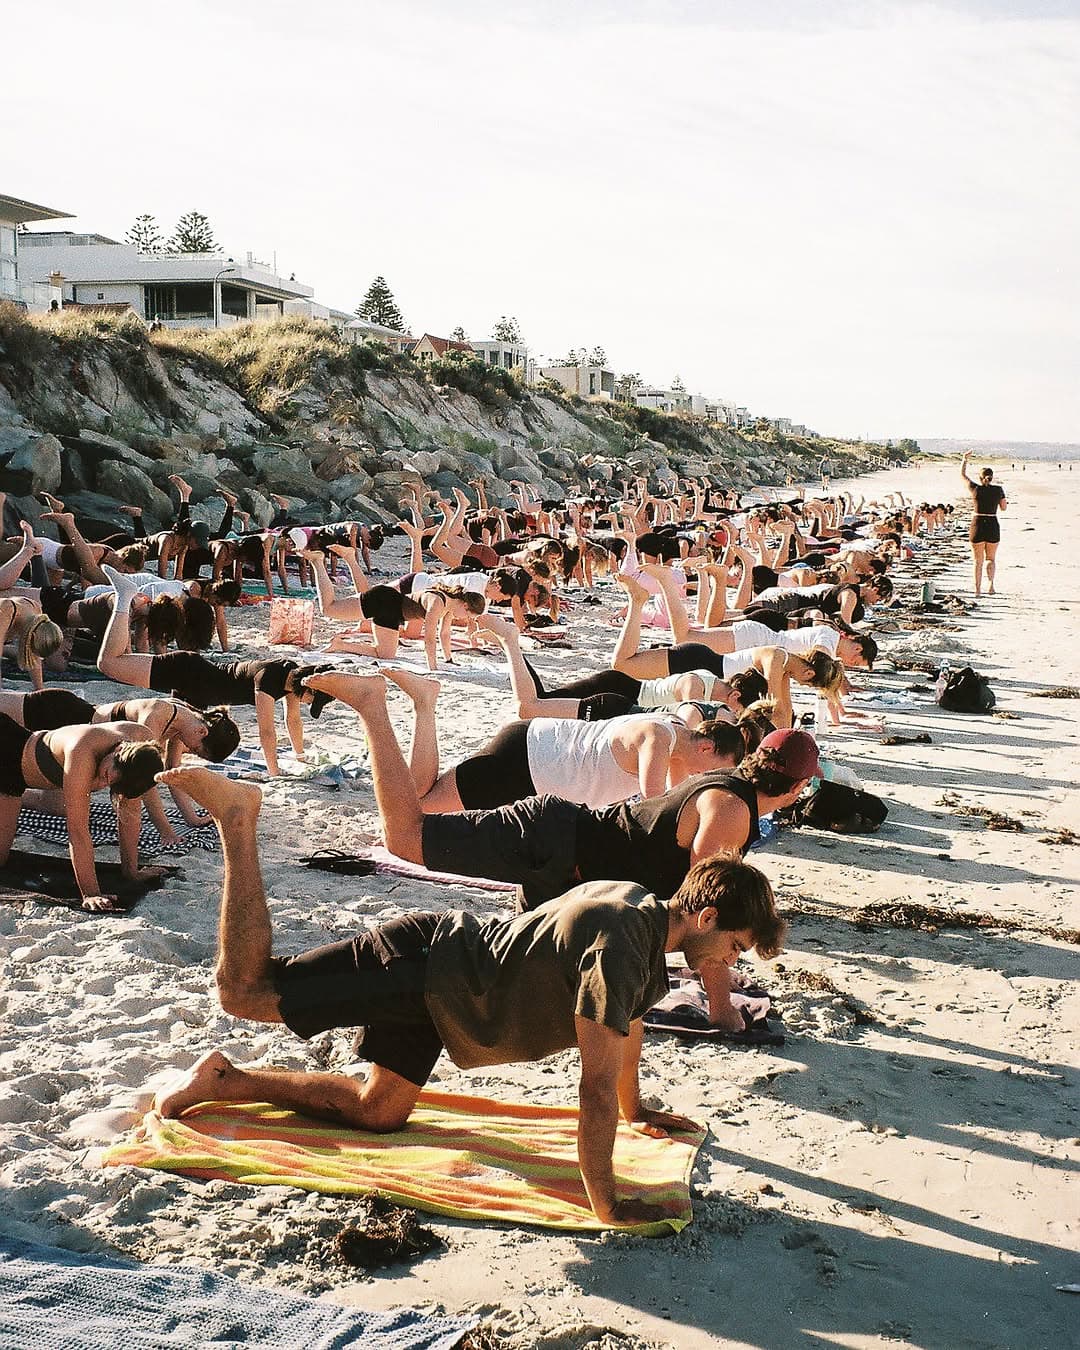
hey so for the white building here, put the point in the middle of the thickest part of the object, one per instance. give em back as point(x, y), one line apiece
point(16, 285)
point(363, 330)
point(586, 381)
point(507, 355)
point(659, 400)
point(183, 290)
point(782, 425)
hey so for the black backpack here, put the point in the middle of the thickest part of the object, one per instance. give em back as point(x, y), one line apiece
point(967, 692)
point(844, 810)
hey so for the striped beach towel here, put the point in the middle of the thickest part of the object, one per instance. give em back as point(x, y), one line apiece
point(53, 830)
point(466, 1157)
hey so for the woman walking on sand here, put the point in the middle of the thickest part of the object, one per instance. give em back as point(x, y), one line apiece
point(987, 498)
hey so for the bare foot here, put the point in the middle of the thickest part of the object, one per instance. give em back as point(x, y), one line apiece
point(204, 1082)
point(224, 798)
point(181, 486)
point(230, 497)
point(53, 503)
point(422, 690)
point(344, 551)
point(355, 644)
point(133, 511)
point(413, 531)
point(358, 691)
point(503, 629)
point(634, 589)
point(61, 517)
point(313, 555)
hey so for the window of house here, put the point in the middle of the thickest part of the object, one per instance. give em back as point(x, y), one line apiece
point(181, 300)
point(234, 301)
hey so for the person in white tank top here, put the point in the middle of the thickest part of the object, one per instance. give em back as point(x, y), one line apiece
point(594, 763)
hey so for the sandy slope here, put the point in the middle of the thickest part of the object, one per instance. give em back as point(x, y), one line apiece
point(902, 1179)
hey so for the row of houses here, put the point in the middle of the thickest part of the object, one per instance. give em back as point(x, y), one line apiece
point(54, 269)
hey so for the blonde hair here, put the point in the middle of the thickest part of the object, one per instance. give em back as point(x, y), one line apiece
point(40, 638)
point(826, 673)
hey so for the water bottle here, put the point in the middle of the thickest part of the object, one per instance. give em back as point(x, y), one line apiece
point(822, 723)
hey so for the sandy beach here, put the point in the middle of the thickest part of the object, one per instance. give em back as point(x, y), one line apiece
point(901, 1171)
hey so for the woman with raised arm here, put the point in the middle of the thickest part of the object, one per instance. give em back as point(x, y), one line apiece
point(987, 499)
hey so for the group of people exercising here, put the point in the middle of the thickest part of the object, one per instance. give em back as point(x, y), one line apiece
point(621, 804)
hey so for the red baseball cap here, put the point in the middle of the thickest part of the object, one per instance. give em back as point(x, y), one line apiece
point(792, 753)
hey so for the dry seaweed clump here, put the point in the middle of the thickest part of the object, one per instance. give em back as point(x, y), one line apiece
point(1058, 691)
point(385, 1235)
point(1062, 836)
point(993, 820)
point(931, 918)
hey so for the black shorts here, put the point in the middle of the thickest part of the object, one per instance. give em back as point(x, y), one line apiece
point(375, 981)
point(55, 601)
point(499, 773)
point(383, 605)
point(985, 530)
point(532, 842)
point(685, 657)
point(13, 740)
point(47, 709)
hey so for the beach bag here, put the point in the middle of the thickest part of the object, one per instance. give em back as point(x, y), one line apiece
point(291, 622)
point(844, 810)
point(966, 691)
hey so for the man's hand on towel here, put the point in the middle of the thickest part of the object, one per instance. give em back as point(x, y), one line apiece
point(659, 1124)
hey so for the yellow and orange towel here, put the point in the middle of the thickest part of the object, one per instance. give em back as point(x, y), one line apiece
point(461, 1156)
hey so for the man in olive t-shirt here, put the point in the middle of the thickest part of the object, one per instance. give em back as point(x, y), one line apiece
point(581, 970)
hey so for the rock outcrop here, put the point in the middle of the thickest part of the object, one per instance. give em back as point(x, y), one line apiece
point(113, 413)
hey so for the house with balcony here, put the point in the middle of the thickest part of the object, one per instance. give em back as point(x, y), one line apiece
point(507, 356)
point(593, 382)
point(363, 330)
point(659, 400)
point(182, 290)
point(33, 293)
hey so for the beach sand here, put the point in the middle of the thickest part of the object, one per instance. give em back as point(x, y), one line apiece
point(899, 1172)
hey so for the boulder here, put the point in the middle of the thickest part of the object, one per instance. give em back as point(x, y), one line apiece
point(351, 485)
point(271, 460)
point(387, 487)
point(425, 462)
point(368, 512)
point(339, 462)
point(128, 485)
point(35, 466)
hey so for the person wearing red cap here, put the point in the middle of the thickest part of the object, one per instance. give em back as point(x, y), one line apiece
point(547, 845)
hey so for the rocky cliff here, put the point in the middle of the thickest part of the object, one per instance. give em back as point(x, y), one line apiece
point(101, 411)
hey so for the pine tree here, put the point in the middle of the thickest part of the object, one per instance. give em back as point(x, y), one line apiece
point(145, 235)
point(193, 234)
point(379, 306)
point(598, 357)
point(677, 386)
point(459, 335)
point(506, 330)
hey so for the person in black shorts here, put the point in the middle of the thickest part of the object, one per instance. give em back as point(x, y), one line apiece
point(204, 684)
point(987, 499)
point(546, 844)
point(502, 991)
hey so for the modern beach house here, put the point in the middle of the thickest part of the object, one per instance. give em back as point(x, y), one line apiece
point(36, 293)
point(182, 290)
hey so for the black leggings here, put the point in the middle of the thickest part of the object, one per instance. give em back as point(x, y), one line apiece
point(607, 694)
point(499, 774)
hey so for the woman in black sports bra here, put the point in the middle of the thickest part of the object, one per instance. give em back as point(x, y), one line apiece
point(987, 499)
point(193, 679)
point(77, 760)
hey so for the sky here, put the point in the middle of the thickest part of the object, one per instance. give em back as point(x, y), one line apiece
point(860, 215)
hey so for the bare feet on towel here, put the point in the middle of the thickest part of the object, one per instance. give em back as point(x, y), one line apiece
point(204, 1082)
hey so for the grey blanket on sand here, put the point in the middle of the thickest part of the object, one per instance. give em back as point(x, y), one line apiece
point(52, 1299)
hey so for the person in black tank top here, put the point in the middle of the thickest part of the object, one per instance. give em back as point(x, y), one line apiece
point(545, 844)
point(987, 499)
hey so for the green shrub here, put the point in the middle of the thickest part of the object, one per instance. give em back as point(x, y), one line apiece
point(490, 385)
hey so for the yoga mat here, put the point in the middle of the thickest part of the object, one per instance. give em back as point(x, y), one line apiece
point(48, 880)
point(466, 1157)
point(53, 1299)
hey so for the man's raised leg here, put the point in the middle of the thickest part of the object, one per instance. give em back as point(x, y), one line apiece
point(243, 972)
